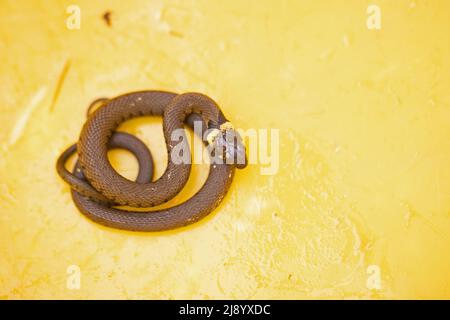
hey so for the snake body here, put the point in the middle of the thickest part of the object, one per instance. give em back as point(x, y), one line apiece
point(97, 188)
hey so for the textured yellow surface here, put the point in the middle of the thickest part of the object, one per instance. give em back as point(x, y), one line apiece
point(364, 120)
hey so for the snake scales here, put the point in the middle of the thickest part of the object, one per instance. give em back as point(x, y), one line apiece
point(97, 189)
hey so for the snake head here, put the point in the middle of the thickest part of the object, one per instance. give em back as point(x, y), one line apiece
point(230, 143)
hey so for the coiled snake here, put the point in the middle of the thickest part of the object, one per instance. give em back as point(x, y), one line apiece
point(97, 189)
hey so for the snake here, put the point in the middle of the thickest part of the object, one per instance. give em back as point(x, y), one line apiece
point(106, 197)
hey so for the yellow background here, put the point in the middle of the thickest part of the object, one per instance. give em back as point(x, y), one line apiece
point(364, 120)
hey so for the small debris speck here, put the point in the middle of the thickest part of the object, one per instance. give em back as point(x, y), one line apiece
point(107, 18)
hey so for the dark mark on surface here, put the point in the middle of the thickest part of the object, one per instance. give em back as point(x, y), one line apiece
point(107, 18)
point(59, 84)
point(176, 34)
